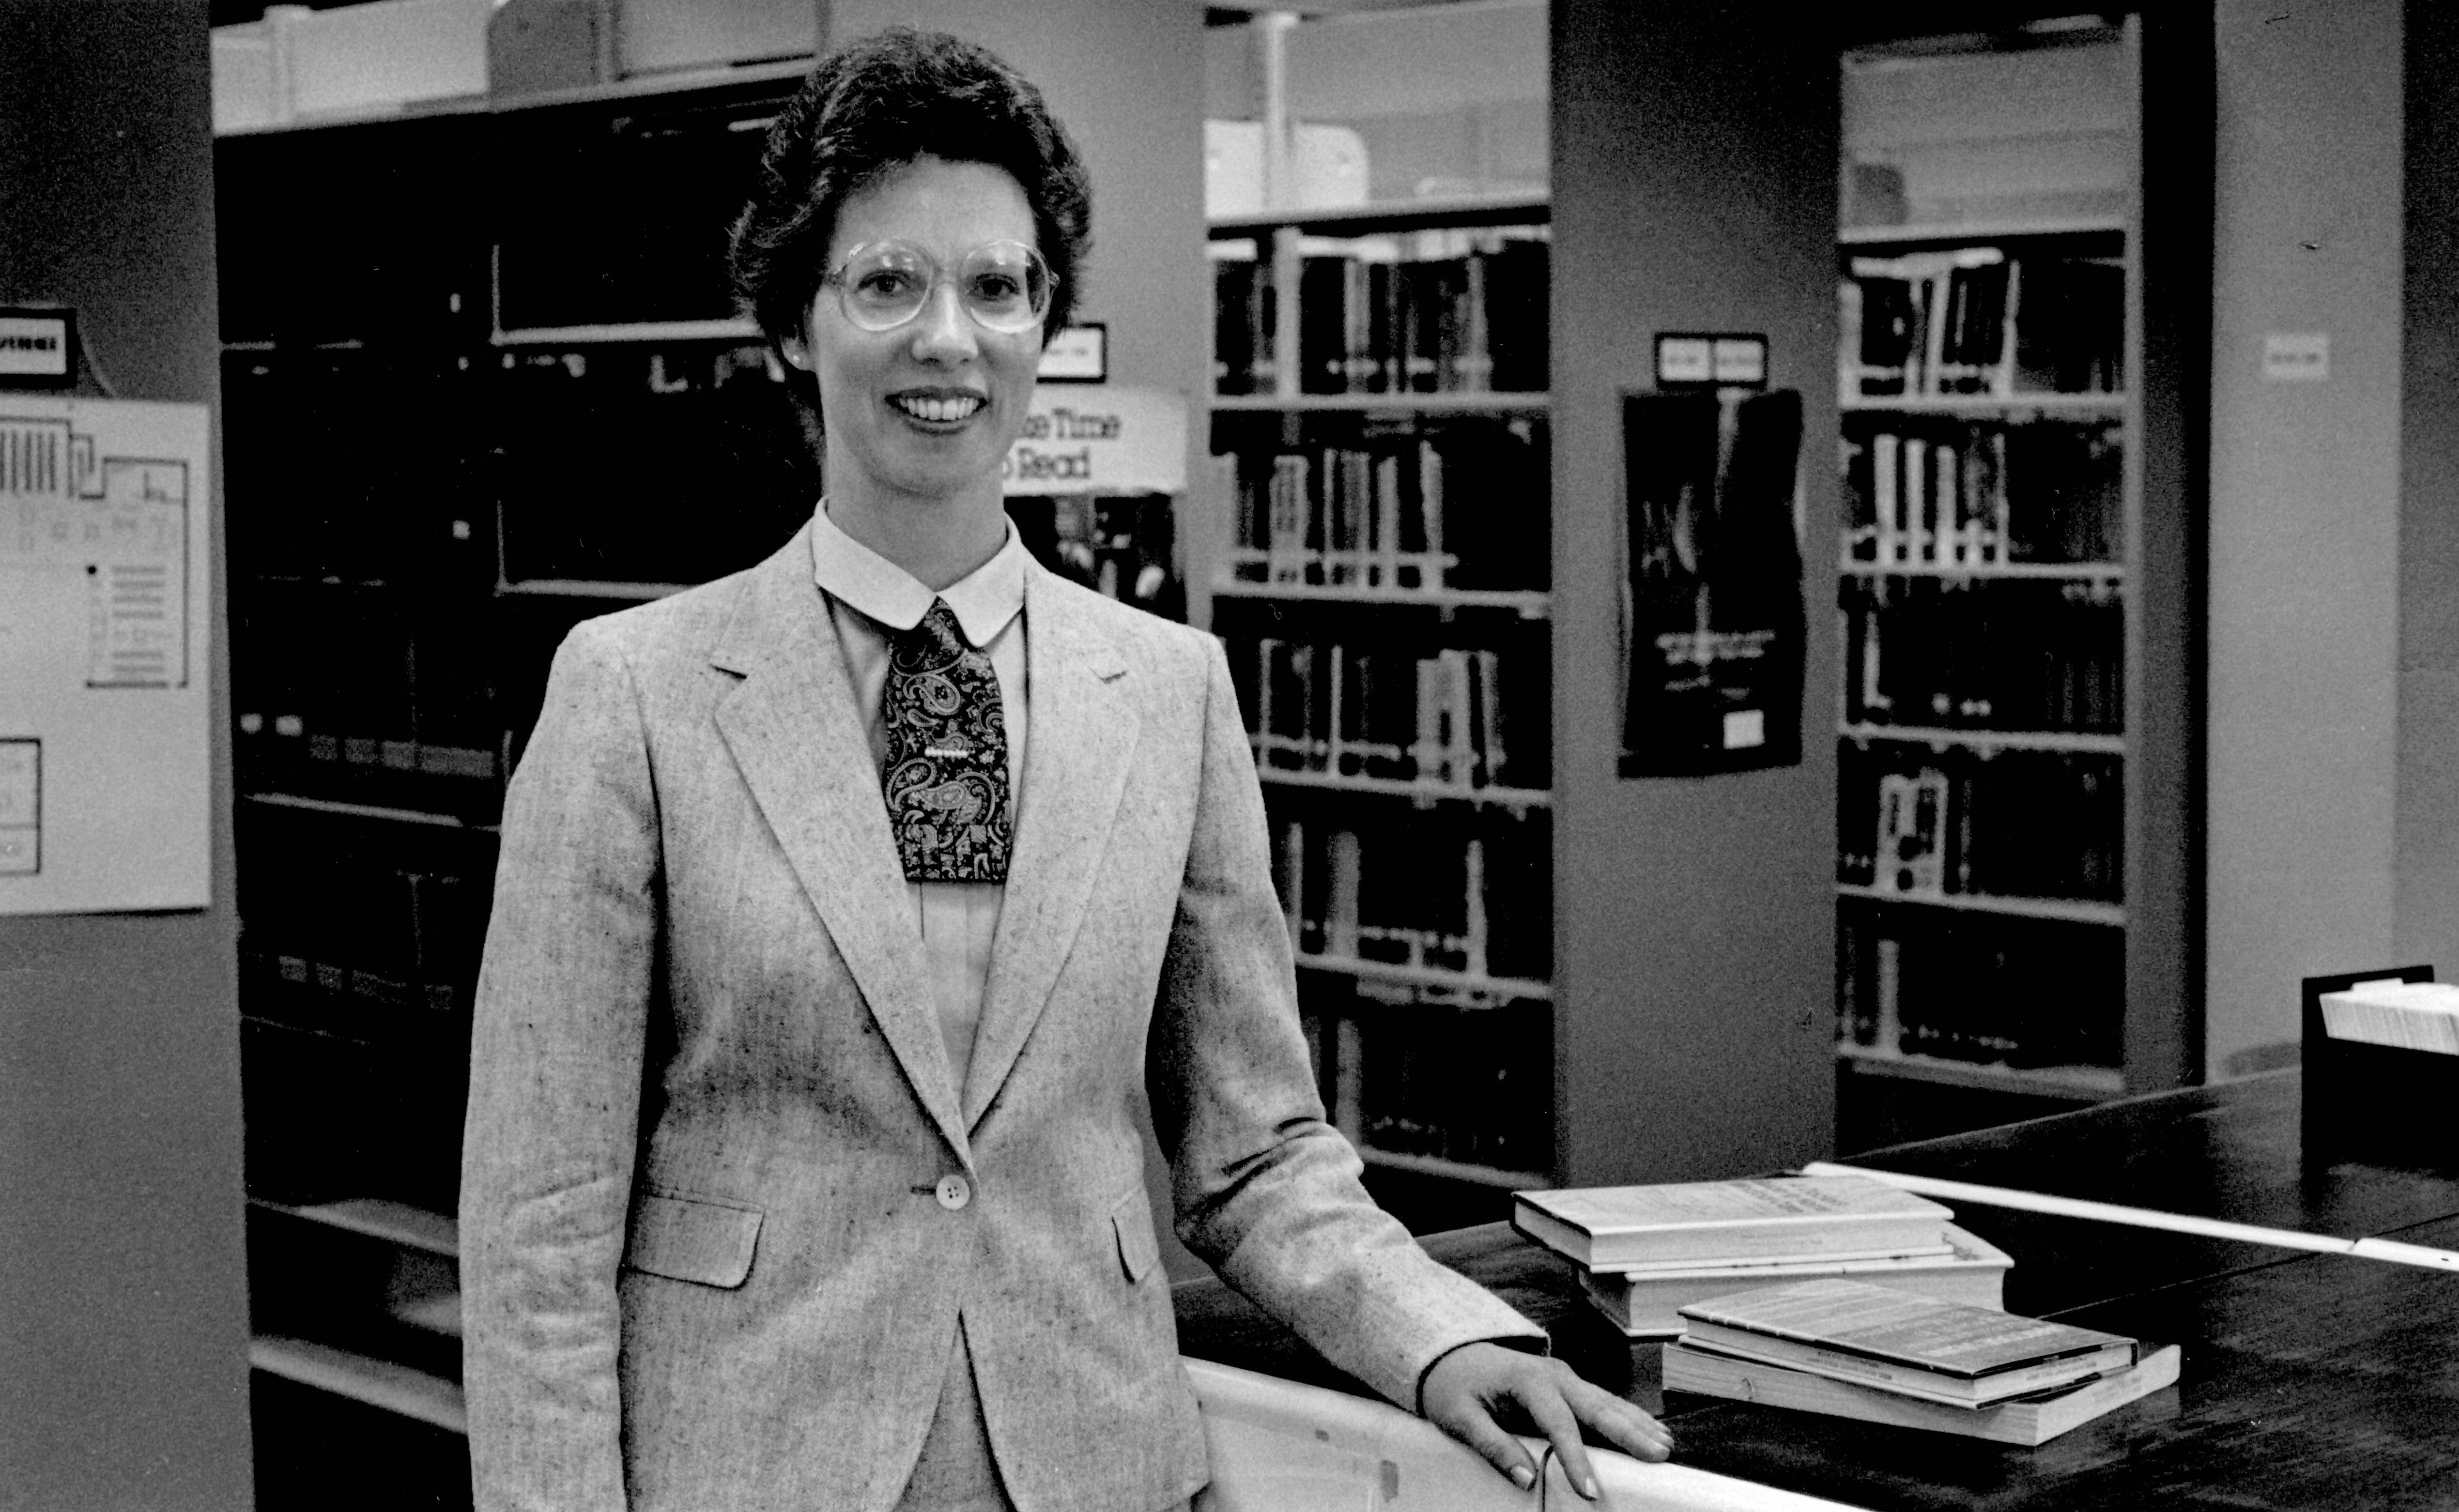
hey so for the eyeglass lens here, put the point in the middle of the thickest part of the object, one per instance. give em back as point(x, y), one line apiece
point(1004, 285)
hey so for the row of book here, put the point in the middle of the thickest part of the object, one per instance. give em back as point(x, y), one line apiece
point(1400, 507)
point(1836, 1295)
point(1940, 493)
point(341, 940)
point(1977, 321)
point(2017, 654)
point(2009, 824)
point(1419, 895)
point(1449, 311)
point(361, 467)
point(1992, 991)
point(1382, 711)
point(1475, 1085)
point(367, 694)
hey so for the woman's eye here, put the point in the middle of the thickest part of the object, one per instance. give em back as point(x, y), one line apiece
point(998, 287)
point(884, 284)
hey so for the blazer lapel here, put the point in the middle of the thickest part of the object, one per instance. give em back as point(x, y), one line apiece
point(1080, 748)
point(802, 746)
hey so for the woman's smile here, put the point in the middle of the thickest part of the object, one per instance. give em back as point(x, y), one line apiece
point(938, 410)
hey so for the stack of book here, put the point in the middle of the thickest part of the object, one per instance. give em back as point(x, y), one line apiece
point(1850, 1349)
point(1646, 1251)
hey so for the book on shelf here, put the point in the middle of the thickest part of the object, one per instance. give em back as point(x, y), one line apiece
point(1942, 493)
point(1439, 720)
point(1244, 315)
point(1466, 1084)
point(1609, 1228)
point(1979, 989)
point(1396, 507)
point(1874, 1336)
point(1440, 311)
point(1644, 1303)
point(2029, 1422)
point(1968, 822)
point(1424, 897)
point(2021, 656)
point(1976, 321)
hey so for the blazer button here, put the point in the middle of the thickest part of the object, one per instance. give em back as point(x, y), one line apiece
point(953, 1192)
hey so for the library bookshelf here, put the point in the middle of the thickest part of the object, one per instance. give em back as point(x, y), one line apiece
point(1381, 417)
point(2006, 728)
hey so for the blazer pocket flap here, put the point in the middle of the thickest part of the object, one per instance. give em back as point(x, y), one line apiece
point(1131, 1220)
point(689, 1239)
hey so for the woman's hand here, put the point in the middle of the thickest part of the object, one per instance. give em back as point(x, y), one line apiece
point(1481, 1394)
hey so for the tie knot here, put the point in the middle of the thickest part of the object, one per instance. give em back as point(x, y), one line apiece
point(934, 644)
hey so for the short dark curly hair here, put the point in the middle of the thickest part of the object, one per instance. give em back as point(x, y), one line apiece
point(873, 107)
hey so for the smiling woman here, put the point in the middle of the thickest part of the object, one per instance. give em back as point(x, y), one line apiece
point(854, 913)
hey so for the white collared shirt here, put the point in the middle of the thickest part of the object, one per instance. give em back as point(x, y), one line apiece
point(957, 920)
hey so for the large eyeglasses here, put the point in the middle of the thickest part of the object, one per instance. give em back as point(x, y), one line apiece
point(1004, 285)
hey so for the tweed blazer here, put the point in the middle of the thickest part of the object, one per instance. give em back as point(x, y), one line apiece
point(712, 1255)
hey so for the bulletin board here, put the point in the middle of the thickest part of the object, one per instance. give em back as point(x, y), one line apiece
point(105, 640)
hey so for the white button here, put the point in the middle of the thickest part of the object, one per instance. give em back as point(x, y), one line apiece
point(953, 1192)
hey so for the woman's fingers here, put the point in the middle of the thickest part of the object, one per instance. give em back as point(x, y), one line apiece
point(1549, 1412)
point(1617, 1421)
point(1473, 1425)
point(1478, 1389)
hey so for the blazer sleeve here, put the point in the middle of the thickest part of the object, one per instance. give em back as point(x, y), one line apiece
point(1266, 1190)
point(556, 1066)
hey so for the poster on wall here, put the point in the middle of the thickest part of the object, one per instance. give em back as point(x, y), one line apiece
point(103, 654)
point(1714, 616)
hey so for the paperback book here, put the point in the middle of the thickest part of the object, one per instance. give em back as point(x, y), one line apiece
point(2026, 1420)
point(1610, 1228)
point(1942, 1352)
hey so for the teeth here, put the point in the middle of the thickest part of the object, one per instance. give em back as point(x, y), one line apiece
point(937, 409)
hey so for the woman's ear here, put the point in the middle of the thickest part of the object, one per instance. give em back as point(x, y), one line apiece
point(795, 353)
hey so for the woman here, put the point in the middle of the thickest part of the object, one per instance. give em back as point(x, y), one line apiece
point(849, 906)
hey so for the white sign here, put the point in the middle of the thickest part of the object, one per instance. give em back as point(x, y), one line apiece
point(104, 642)
point(1095, 438)
point(34, 346)
point(1685, 359)
point(2296, 356)
point(1078, 354)
point(1741, 359)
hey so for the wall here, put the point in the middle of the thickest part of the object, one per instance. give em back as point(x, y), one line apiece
point(2304, 700)
point(1695, 188)
point(123, 1318)
point(1127, 76)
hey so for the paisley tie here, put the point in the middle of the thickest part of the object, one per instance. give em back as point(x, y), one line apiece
point(945, 775)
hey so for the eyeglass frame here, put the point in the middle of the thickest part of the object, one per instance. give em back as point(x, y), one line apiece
point(835, 276)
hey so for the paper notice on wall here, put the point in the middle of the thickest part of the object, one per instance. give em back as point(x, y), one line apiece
point(103, 649)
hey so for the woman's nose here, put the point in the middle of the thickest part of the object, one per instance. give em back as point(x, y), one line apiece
point(942, 329)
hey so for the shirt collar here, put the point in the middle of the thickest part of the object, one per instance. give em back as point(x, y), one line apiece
point(984, 599)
